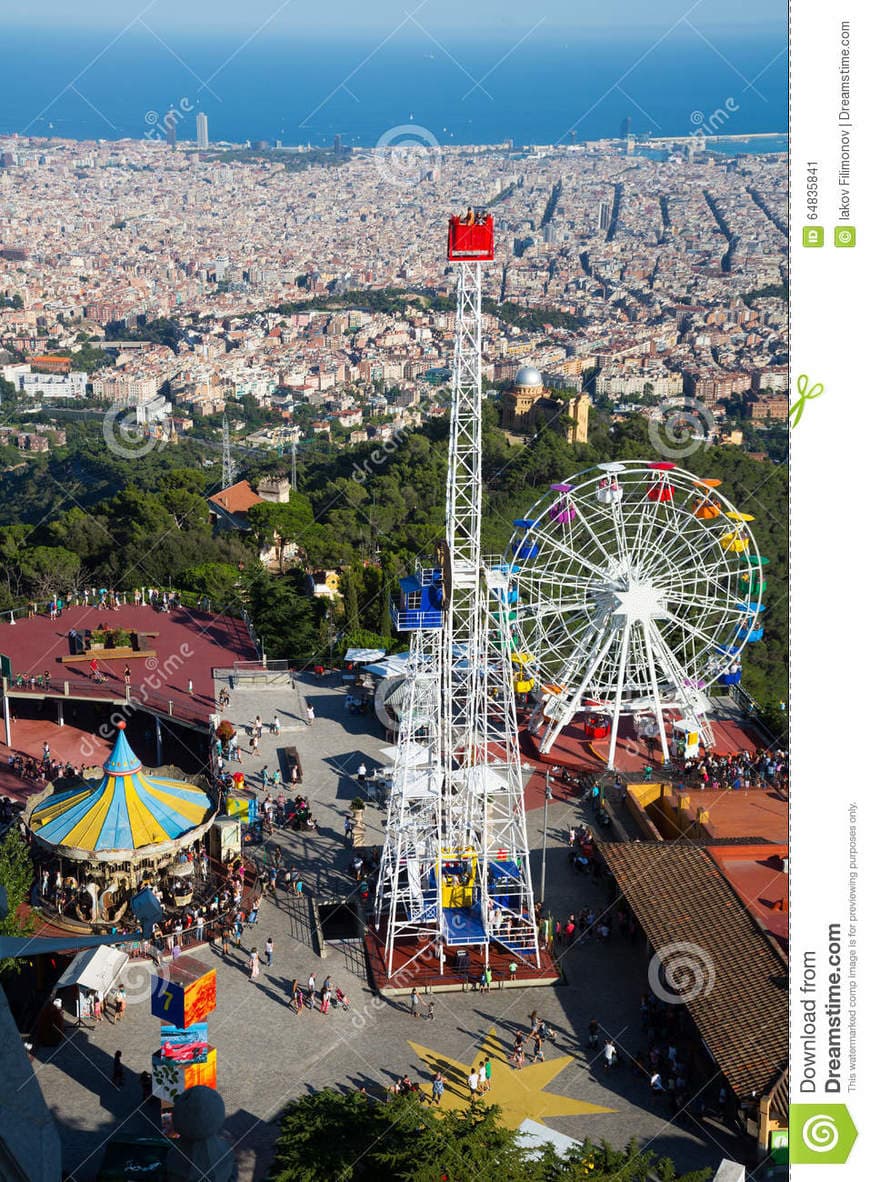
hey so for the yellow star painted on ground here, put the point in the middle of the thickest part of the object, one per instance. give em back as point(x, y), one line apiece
point(519, 1092)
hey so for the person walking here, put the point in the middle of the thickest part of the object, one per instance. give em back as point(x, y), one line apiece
point(120, 1003)
point(430, 1010)
point(437, 1089)
point(312, 989)
point(415, 1003)
point(254, 964)
point(348, 829)
point(482, 1083)
point(473, 1081)
point(487, 1071)
point(118, 1071)
point(538, 1045)
point(361, 773)
point(518, 1055)
point(268, 950)
point(592, 1034)
point(225, 940)
point(309, 714)
point(127, 675)
point(325, 997)
point(609, 1054)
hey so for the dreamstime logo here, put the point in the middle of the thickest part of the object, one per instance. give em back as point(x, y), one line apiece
point(124, 436)
point(405, 154)
point(820, 1133)
point(680, 426)
point(705, 125)
point(155, 680)
point(681, 972)
point(139, 979)
point(380, 455)
point(163, 129)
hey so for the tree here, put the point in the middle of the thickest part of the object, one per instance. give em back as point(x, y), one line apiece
point(283, 616)
point(216, 580)
point(287, 522)
point(51, 570)
point(350, 581)
point(388, 574)
point(404, 1140)
point(16, 876)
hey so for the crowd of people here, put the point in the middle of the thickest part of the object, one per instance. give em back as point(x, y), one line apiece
point(762, 769)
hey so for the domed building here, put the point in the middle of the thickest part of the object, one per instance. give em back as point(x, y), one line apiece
point(528, 402)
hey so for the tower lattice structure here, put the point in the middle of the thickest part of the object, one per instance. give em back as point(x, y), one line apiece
point(456, 860)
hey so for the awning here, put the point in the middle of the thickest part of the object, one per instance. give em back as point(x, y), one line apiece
point(96, 969)
point(415, 754)
point(393, 666)
point(361, 656)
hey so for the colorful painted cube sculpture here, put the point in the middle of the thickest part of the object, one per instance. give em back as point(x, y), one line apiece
point(183, 992)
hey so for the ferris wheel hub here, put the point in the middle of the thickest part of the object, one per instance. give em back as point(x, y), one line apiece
point(638, 603)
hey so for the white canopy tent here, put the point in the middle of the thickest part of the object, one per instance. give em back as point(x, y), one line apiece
point(91, 973)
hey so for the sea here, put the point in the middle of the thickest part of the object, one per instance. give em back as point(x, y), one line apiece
point(541, 90)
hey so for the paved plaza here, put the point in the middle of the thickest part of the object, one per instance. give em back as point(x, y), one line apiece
point(267, 1054)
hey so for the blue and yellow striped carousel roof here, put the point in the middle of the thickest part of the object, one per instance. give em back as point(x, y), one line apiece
point(126, 810)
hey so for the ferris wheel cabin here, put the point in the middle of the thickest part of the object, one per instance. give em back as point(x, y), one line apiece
point(471, 238)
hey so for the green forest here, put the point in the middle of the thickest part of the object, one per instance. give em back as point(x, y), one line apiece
point(81, 515)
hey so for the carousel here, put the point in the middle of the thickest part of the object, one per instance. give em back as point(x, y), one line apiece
point(110, 837)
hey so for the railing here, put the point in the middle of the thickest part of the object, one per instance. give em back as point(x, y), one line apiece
point(126, 598)
point(749, 706)
point(182, 708)
point(409, 619)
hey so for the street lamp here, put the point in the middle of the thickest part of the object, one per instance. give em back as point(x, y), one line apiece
point(548, 796)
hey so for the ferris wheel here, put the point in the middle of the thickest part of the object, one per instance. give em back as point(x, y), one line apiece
point(636, 587)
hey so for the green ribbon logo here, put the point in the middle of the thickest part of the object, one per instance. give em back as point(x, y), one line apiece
point(805, 394)
point(820, 1134)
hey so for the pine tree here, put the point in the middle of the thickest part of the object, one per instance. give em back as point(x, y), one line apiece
point(16, 876)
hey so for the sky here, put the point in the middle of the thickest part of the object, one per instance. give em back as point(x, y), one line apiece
point(284, 18)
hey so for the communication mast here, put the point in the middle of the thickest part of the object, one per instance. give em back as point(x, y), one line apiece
point(228, 468)
point(456, 859)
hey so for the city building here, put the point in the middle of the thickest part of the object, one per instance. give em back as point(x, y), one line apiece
point(201, 129)
point(528, 403)
point(53, 385)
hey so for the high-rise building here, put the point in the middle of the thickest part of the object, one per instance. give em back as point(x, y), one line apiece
point(169, 124)
point(202, 130)
point(603, 215)
point(336, 144)
point(625, 128)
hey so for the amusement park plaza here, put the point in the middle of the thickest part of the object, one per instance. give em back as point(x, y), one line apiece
point(545, 843)
point(653, 863)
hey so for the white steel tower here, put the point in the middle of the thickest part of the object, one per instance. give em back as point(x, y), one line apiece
point(456, 860)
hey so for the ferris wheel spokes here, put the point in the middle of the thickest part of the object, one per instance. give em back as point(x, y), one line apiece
point(632, 597)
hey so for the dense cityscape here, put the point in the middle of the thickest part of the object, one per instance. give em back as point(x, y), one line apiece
point(272, 574)
point(621, 275)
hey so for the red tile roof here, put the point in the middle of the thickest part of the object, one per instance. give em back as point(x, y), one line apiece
point(238, 498)
point(680, 897)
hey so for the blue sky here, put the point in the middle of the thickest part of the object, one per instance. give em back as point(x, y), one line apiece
point(379, 17)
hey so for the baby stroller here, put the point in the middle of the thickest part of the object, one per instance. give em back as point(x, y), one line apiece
point(341, 999)
point(547, 1033)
